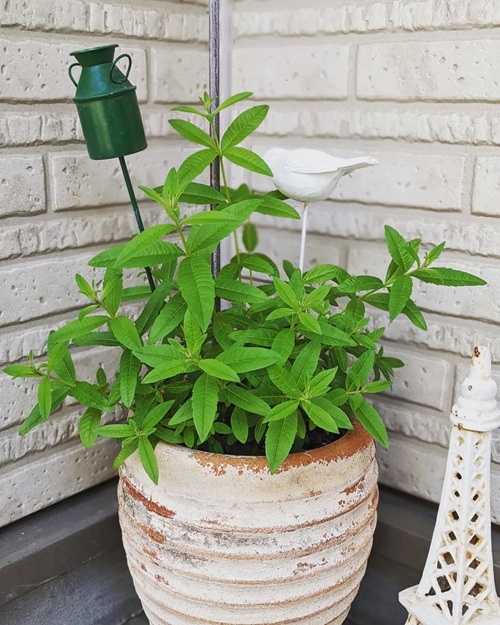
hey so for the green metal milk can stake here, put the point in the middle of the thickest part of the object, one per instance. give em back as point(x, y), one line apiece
point(109, 113)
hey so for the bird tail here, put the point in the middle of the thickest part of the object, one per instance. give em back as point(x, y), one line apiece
point(359, 163)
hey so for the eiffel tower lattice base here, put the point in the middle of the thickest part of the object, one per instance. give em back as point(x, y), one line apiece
point(457, 586)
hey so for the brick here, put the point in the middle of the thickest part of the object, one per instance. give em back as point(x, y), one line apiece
point(28, 239)
point(319, 120)
point(59, 474)
point(15, 344)
point(486, 186)
point(425, 380)
point(478, 236)
point(38, 70)
point(444, 70)
point(473, 302)
point(44, 14)
point(40, 288)
point(79, 182)
point(179, 74)
point(22, 185)
point(300, 71)
point(251, 18)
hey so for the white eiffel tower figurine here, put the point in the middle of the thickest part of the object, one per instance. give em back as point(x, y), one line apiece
point(457, 585)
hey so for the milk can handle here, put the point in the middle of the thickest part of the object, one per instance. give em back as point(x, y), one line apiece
point(119, 82)
point(70, 72)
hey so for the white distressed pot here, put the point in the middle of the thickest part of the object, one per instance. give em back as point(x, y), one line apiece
point(220, 541)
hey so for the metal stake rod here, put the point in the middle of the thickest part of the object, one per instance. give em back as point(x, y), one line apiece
point(214, 92)
point(138, 218)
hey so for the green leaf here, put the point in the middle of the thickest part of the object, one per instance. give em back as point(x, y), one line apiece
point(286, 294)
point(235, 291)
point(399, 294)
point(276, 208)
point(317, 296)
point(325, 273)
point(107, 257)
point(169, 370)
point(129, 371)
point(250, 237)
point(134, 293)
point(192, 335)
point(190, 109)
point(435, 253)
point(218, 369)
point(369, 419)
point(84, 287)
point(169, 318)
point(89, 395)
point(148, 458)
point(194, 165)
point(141, 241)
point(319, 416)
point(210, 218)
point(414, 315)
point(243, 125)
point(378, 300)
point(197, 288)
point(208, 237)
point(280, 437)
point(306, 363)
point(448, 277)
point(340, 417)
point(76, 328)
point(44, 398)
point(97, 338)
point(362, 368)
point(183, 414)
point(192, 133)
point(155, 415)
point(21, 371)
point(150, 312)
point(65, 369)
point(59, 394)
point(354, 284)
point(238, 97)
point(157, 253)
point(125, 331)
point(330, 335)
point(248, 159)
point(89, 427)
point(118, 430)
point(259, 263)
point(257, 336)
point(309, 322)
point(284, 381)
point(204, 401)
point(283, 344)
point(281, 411)
point(197, 193)
point(246, 400)
point(239, 424)
point(244, 359)
point(398, 248)
point(128, 448)
point(320, 383)
point(377, 386)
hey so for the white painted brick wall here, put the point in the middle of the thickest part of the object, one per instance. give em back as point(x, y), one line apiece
point(58, 208)
point(418, 90)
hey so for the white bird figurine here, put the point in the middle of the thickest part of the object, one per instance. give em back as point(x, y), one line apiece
point(310, 176)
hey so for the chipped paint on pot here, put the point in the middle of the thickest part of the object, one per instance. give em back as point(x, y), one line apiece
point(220, 541)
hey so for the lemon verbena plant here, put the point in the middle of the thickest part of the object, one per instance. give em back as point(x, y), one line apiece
point(286, 363)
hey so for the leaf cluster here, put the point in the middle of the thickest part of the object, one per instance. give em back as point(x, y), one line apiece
point(289, 354)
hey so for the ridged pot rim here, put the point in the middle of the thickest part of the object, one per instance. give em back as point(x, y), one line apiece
point(351, 443)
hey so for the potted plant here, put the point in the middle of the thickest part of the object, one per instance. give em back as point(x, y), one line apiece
point(247, 472)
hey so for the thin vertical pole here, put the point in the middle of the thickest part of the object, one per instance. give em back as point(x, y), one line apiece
point(214, 92)
point(138, 218)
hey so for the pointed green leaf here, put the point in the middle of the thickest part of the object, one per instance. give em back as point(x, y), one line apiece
point(275, 207)
point(218, 369)
point(283, 344)
point(378, 386)
point(306, 363)
point(44, 398)
point(435, 253)
point(399, 294)
point(190, 109)
point(239, 424)
point(84, 287)
point(248, 159)
point(210, 218)
point(309, 322)
point(369, 419)
point(191, 132)
point(154, 416)
point(280, 437)
point(246, 400)
point(88, 395)
point(250, 237)
point(65, 369)
point(256, 336)
point(243, 125)
point(197, 288)
point(148, 458)
point(414, 315)
point(448, 277)
point(141, 241)
point(340, 417)
point(398, 248)
point(125, 331)
point(244, 359)
point(97, 338)
point(197, 193)
point(128, 448)
point(89, 427)
point(169, 370)
point(235, 291)
point(362, 368)
point(325, 273)
point(204, 401)
point(238, 97)
point(320, 383)
point(354, 284)
point(286, 294)
point(194, 165)
point(129, 371)
point(76, 328)
point(320, 417)
point(118, 430)
point(284, 381)
point(59, 394)
point(281, 411)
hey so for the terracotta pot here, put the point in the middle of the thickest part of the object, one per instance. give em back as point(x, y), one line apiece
point(220, 541)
